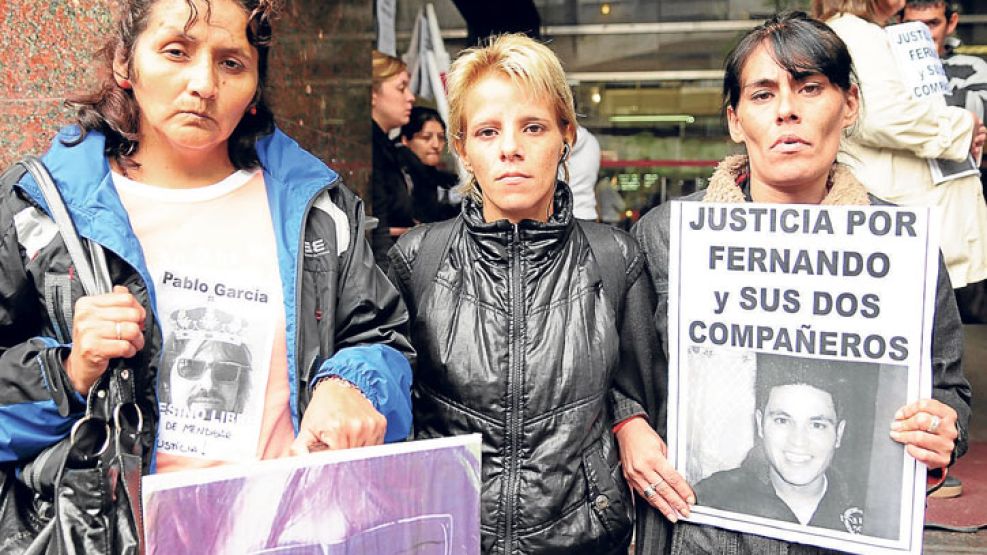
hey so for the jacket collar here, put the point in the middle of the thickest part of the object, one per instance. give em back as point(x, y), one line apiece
point(383, 146)
point(82, 174)
point(724, 187)
point(538, 239)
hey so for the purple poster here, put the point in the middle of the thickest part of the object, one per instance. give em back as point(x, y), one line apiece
point(420, 497)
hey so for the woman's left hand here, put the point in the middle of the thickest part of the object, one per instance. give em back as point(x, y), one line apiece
point(927, 428)
point(338, 417)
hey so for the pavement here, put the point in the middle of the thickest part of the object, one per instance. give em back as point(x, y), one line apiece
point(938, 542)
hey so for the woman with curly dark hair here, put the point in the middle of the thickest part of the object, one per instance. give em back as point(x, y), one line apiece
point(218, 230)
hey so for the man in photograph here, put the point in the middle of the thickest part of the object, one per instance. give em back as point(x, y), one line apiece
point(967, 77)
point(207, 363)
point(788, 474)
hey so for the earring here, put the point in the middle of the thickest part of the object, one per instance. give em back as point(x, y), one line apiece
point(565, 152)
point(125, 84)
point(253, 110)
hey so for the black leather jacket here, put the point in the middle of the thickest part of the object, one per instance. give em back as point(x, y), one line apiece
point(517, 341)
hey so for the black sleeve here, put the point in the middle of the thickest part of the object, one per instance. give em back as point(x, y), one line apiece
point(37, 402)
point(640, 383)
point(949, 384)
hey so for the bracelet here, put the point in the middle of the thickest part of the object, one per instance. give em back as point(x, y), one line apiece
point(621, 424)
point(340, 380)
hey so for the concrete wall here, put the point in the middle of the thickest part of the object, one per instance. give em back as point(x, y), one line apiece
point(320, 75)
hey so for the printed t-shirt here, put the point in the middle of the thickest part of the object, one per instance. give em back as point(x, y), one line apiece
point(223, 382)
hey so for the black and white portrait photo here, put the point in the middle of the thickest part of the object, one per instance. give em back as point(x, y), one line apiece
point(790, 353)
point(207, 363)
point(798, 440)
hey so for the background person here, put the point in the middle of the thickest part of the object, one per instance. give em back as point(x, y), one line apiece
point(390, 107)
point(177, 153)
point(584, 170)
point(967, 74)
point(897, 134)
point(516, 338)
point(611, 205)
point(789, 98)
point(424, 139)
point(968, 83)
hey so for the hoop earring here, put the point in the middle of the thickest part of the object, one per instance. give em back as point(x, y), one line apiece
point(563, 162)
point(548, 210)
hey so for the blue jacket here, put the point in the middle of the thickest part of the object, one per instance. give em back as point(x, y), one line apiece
point(343, 316)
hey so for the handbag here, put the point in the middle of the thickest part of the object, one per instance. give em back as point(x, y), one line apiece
point(81, 495)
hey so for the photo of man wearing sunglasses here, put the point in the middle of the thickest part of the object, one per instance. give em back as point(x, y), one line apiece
point(211, 376)
point(211, 384)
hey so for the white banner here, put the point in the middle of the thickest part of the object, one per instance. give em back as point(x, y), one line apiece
point(918, 60)
point(795, 333)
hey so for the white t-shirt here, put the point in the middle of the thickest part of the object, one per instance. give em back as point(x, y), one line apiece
point(223, 384)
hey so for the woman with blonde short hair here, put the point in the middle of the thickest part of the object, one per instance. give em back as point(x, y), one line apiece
point(531, 327)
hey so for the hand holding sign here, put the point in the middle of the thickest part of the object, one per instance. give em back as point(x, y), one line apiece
point(927, 428)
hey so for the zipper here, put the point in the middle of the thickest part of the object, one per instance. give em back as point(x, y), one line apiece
point(295, 400)
point(514, 393)
point(63, 330)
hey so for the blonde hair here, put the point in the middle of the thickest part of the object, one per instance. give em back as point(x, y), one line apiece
point(532, 66)
point(864, 9)
point(384, 67)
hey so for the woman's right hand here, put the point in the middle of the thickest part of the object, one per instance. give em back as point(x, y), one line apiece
point(642, 454)
point(979, 136)
point(105, 327)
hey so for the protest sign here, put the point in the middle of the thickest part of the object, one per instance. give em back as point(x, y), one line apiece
point(418, 497)
point(795, 333)
point(918, 60)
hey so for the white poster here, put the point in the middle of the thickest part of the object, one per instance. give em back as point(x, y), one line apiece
point(215, 364)
point(917, 57)
point(795, 333)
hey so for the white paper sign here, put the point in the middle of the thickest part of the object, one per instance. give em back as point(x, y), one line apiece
point(795, 333)
point(915, 52)
point(916, 55)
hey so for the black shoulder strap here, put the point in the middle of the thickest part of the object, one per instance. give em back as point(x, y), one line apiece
point(610, 259)
point(431, 252)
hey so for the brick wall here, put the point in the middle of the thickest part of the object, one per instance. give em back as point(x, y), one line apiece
point(320, 75)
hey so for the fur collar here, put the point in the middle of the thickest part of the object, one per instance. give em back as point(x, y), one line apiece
point(723, 186)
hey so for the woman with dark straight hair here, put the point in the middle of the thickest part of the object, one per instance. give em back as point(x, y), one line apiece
point(424, 140)
point(790, 96)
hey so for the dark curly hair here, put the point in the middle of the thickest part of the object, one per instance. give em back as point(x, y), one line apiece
point(114, 111)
